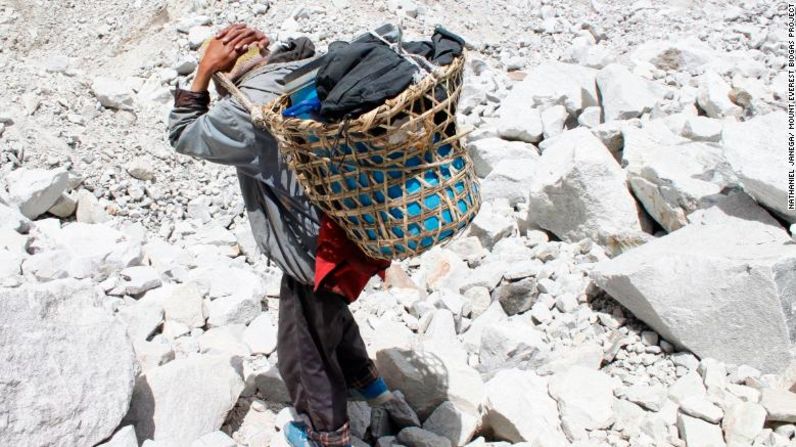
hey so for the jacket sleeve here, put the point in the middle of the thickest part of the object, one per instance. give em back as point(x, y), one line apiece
point(223, 134)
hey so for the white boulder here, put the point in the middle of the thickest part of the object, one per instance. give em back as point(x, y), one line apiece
point(184, 399)
point(488, 152)
point(184, 304)
point(56, 341)
point(260, 335)
point(427, 377)
point(742, 423)
point(579, 191)
point(585, 400)
point(755, 153)
point(742, 319)
point(672, 180)
point(550, 83)
point(698, 433)
point(714, 97)
point(34, 191)
point(520, 409)
point(510, 179)
point(450, 422)
point(624, 94)
point(520, 122)
point(112, 93)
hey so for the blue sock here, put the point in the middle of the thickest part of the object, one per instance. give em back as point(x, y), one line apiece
point(376, 390)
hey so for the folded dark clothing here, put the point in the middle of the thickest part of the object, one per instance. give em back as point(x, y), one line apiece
point(293, 50)
point(359, 77)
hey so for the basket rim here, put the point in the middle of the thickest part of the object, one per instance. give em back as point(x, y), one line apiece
point(272, 111)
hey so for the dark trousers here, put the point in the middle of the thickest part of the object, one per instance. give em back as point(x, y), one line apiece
point(321, 354)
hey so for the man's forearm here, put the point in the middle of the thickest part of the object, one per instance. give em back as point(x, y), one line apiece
point(202, 79)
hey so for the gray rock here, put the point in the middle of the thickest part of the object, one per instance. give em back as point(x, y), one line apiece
point(723, 322)
point(239, 308)
point(142, 319)
point(671, 181)
point(489, 226)
point(698, 433)
point(185, 65)
point(700, 407)
point(184, 304)
point(141, 169)
point(700, 128)
point(511, 342)
point(520, 409)
point(12, 219)
point(89, 209)
point(64, 206)
point(184, 399)
point(550, 83)
point(271, 386)
point(417, 437)
point(553, 119)
point(260, 335)
point(780, 405)
point(714, 97)
point(585, 400)
point(753, 150)
point(590, 117)
point(579, 191)
point(689, 54)
point(510, 179)
point(428, 377)
point(112, 93)
point(139, 279)
point(359, 418)
point(39, 385)
point(517, 296)
point(488, 152)
point(224, 341)
point(520, 122)
point(742, 423)
point(625, 95)
point(450, 422)
point(34, 191)
point(197, 35)
point(400, 412)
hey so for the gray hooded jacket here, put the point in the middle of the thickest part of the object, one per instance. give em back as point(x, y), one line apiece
point(285, 224)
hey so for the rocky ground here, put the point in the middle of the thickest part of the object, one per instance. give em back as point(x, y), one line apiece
point(629, 281)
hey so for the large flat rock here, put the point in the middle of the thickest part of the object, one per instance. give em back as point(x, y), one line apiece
point(725, 289)
point(579, 191)
point(66, 366)
point(184, 399)
point(756, 150)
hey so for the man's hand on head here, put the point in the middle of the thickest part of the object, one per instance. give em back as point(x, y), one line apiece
point(224, 50)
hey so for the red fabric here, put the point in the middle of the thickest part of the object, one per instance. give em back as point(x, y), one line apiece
point(340, 266)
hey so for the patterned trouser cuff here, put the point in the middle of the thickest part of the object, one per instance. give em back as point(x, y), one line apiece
point(338, 438)
point(367, 378)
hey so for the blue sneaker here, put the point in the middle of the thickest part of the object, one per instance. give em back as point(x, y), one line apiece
point(296, 435)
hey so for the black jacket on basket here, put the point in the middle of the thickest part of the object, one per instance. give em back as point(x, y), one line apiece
point(358, 77)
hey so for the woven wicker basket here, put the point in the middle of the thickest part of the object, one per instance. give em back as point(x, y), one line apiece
point(397, 178)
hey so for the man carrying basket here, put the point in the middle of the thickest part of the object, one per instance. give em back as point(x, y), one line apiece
point(320, 351)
